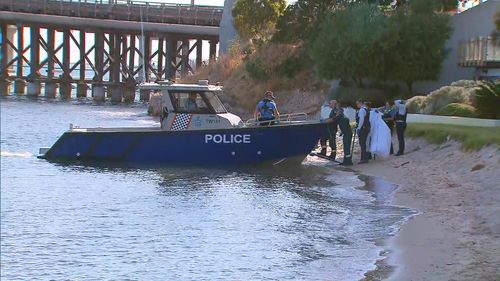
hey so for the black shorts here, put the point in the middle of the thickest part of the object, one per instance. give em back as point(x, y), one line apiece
point(266, 121)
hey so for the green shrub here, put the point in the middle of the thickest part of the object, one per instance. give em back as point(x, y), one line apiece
point(487, 100)
point(462, 92)
point(465, 83)
point(347, 95)
point(256, 69)
point(291, 66)
point(416, 104)
point(446, 95)
point(457, 109)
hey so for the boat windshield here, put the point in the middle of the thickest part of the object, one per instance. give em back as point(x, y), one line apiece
point(215, 102)
point(197, 102)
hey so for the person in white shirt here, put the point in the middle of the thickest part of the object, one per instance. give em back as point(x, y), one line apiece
point(363, 129)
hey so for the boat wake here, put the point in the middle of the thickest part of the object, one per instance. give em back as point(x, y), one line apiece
point(23, 154)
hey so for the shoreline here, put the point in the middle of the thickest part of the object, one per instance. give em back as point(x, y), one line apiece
point(455, 235)
point(383, 191)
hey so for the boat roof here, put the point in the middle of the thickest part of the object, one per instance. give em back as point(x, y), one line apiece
point(169, 86)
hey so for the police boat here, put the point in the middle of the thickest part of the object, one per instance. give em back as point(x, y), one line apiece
point(196, 129)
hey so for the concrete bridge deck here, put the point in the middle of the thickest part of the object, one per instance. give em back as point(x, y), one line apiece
point(101, 45)
point(125, 10)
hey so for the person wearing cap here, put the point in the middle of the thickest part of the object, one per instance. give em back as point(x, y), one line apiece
point(400, 121)
point(266, 110)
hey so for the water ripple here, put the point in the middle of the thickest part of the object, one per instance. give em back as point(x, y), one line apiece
point(61, 222)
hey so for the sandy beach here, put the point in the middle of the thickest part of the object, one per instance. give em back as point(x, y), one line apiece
point(456, 235)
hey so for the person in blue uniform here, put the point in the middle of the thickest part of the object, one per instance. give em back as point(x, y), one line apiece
point(400, 122)
point(266, 110)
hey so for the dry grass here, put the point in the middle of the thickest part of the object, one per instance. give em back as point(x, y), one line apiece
point(301, 93)
point(458, 92)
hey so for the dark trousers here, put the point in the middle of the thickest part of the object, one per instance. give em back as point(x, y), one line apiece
point(322, 142)
point(391, 127)
point(363, 135)
point(400, 131)
point(270, 119)
point(346, 142)
point(333, 139)
point(327, 136)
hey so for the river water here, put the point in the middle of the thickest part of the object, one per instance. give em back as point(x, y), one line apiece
point(73, 222)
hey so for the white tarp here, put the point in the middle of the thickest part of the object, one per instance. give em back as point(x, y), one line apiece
point(380, 135)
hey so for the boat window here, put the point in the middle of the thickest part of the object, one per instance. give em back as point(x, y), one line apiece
point(215, 102)
point(189, 102)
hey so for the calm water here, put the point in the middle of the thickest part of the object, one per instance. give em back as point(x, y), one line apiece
point(70, 222)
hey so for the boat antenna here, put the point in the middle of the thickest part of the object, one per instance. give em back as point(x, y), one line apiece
point(141, 47)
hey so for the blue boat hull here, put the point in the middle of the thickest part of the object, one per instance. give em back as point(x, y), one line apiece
point(275, 144)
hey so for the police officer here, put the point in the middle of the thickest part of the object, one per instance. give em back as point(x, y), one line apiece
point(363, 129)
point(266, 110)
point(345, 129)
point(332, 128)
point(388, 113)
point(400, 121)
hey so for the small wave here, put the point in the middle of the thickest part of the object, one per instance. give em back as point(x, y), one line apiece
point(345, 178)
point(16, 154)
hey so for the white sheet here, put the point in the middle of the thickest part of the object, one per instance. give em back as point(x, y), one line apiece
point(380, 135)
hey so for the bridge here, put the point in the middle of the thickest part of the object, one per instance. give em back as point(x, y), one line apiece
point(117, 43)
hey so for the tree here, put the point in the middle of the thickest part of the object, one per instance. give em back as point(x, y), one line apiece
point(254, 18)
point(497, 19)
point(438, 5)
point(446, 5)
point(302, 19)
point(416, 39)
point(349, 44)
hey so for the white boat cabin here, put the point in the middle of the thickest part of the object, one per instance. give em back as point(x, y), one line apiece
point(192, 107)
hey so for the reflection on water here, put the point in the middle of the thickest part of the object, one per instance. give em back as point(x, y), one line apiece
point(98, 222)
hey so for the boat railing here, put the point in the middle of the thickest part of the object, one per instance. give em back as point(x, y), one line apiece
point(77, 129)
point(282, 119)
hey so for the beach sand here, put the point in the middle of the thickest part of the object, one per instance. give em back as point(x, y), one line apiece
point(456, 235)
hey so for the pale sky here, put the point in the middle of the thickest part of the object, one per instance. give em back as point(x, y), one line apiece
point(203, 2)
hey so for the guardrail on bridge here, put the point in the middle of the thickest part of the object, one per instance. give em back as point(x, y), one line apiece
point(155, 12)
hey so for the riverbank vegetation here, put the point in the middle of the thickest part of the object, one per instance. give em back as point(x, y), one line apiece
point(471, 138)
point(363, 42)
point(465, 98)
point(370, 46)
point(358, 42)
